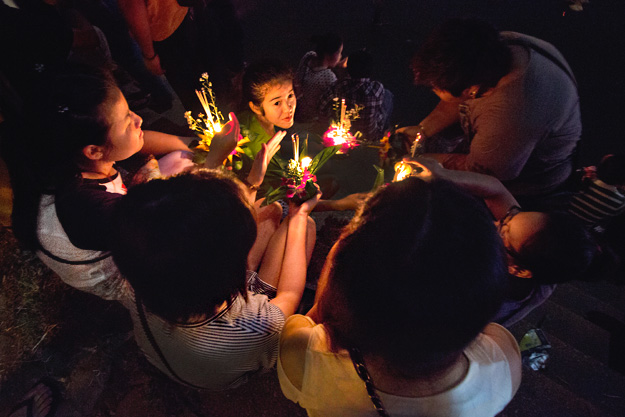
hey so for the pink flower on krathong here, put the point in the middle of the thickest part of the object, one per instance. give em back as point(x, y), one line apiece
point(298, 189)
point(336, 136)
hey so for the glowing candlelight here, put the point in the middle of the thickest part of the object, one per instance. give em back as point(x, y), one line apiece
point(342, 120)
point(402, 171)
point(209, 123)
point(295, 139)
point(305, 163)
point(416, 144)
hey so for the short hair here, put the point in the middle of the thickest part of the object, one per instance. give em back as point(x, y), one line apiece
point(460, 53)
point(359, 64)
point(562, 250)
point(416, 276)
point(327, 44)
point(183, 242)
point(611, 169)
point(260, 76)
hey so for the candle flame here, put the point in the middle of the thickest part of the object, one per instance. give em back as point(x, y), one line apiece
point(305, 163)
point(402, 171)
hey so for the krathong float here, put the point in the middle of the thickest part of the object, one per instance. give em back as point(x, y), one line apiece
point(297, 175)
point(338, 134)
point(208, 124)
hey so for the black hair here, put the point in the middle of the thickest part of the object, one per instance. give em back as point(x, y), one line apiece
point(183, 242)
point(359, 64)
point(70, 111)
point(611, 169)
point(460, 53)
point(327, 44)
point(562, 250)
point(261, 75)
point(416, 276)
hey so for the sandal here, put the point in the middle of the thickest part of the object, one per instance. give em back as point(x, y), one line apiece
point(42, 400)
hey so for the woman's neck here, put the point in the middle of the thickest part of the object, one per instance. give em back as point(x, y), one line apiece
point(393, 384)
point(98, 170)
point(267, 126)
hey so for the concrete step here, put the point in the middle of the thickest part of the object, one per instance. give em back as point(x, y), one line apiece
point(608, 293)
point(581, 301)
point(541, 396)
point(580, 374)
point(572, 329)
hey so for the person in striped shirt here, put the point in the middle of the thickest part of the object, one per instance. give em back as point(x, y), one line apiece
point(199, 314)
point(602, 195)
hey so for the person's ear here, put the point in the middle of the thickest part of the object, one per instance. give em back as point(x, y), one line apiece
point(93, 152)
point(519, 272)
point(258, 110)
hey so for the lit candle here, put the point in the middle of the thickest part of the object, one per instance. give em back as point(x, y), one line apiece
point(306, 162)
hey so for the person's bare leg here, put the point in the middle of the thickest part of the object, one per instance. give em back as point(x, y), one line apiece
point(271, 264)
point(311, 238)
point(268, 221)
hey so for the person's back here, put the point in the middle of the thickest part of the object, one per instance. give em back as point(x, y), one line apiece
point(183, 244)
point(538, 107)
point(515, 98)
point(403, 325)
point(219, 352)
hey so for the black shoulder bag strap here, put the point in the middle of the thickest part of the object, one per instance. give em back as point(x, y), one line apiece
point(67, 262)
point(361, 370)
point(157, 349)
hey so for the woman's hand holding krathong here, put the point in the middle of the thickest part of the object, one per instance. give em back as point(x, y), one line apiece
point(306, 207)
point(224, 142)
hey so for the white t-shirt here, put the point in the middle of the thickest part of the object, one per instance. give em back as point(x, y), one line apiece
point(331, 387)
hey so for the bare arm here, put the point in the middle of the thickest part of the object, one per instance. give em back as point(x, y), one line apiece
point(322, 283)
point(495, 195)
point(293, 344)
point(350, 202)
point(136, 14)
point(158, 143)
point(294, 265)
point(444, 115)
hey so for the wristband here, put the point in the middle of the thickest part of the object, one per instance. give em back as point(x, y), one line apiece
point(250, 186)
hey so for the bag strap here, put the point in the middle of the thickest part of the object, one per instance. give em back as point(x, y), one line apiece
point(68, 262)
point(157, 349)
point(361, 370)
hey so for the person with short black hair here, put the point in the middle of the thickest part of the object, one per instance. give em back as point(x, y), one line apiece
point(543, 249)
point(515, 98)
point(404, 304)
point(200, 315)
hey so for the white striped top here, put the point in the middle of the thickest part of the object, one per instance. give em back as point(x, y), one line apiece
point(597, 203)
point(221, 352)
